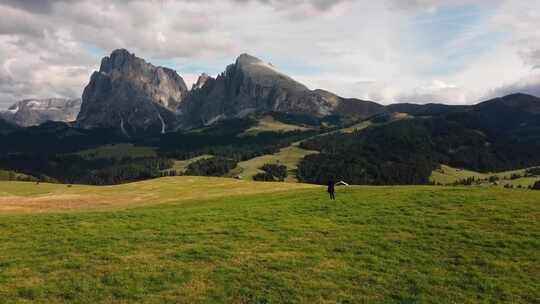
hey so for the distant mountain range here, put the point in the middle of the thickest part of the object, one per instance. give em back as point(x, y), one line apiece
point(250, 86)
point(135, 97)
point(33, 112)
point(251, 110)
point(514, 103)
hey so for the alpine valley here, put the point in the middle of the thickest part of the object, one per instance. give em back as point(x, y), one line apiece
point(136, 121)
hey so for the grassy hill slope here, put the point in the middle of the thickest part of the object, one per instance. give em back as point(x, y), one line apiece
point(218, 241)
point(31, 197)
point(180, 166)
point(289, 156)
point(292, 156)
point(447, 175)
point(269, 124)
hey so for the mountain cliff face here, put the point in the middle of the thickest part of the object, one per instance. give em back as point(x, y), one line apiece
point(33, 112)
point(132, 96)
point(252, 86)
point(201, 81)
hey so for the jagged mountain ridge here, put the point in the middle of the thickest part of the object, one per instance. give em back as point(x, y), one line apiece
point(252, 86)
point(33, 112)
point(201, 81)
point(132, 96)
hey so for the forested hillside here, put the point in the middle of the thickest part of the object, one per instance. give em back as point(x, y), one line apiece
point(407, 151)
point(52, 152)
point(389, 148)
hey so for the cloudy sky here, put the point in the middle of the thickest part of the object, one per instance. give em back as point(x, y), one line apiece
point(450, 51)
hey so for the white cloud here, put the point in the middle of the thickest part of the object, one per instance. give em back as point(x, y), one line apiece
point(377, 50)
point(528, 85)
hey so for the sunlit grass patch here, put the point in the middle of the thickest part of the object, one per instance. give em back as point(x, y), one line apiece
point(225, 241)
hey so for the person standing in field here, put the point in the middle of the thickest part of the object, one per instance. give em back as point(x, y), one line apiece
point(331, 189)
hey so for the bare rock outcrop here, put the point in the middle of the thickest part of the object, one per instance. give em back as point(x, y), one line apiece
point(253, 86)
point(132, 96)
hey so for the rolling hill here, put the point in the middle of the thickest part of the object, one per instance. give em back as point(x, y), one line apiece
point(522, 178)
point(290, 157)
point(269, 124)
point(200, 240)
point(494, 136)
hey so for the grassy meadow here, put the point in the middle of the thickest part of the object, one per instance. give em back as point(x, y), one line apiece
point(211, 240)
point(372, 123)
point(289, 156)
point(269, 124)
point(447, 175)
point(180, 166)
point(357, 127)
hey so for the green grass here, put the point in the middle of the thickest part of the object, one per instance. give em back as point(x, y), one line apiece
point(292, 155)
point(269, 124)
point(118, 151)
point(357, 127)
point(293, 245)
point(7, 175)
point(368, 123)
point(289, 156)
point(26, 189)
point(47, 198)
point(180, 166)
point(447, 175)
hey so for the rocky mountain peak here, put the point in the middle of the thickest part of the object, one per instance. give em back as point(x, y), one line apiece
point(132, 95)
point(201, 81)
point(246, 59)
point(264, 74)
point(252, 86)
point(119, 59)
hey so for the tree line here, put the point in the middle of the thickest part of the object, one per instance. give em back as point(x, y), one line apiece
point(75, 169)
point(215, 166)
point(407, 151)
point(272, 173)
point(48, 152)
